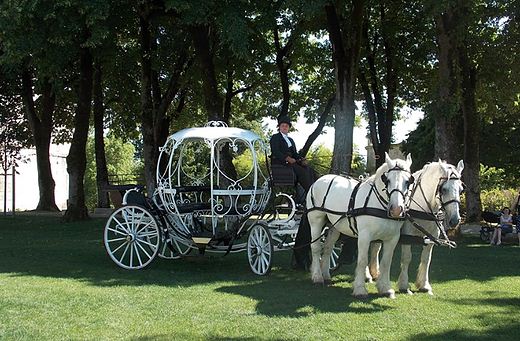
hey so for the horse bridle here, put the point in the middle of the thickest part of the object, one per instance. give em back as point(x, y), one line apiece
point(385, 180)
point(451, 176)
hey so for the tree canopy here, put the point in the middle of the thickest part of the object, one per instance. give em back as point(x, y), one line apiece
point(151, 67)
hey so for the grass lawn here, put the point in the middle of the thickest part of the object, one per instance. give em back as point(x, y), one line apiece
point(56, 282)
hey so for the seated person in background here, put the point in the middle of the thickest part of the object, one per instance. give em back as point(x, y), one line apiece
point(283, 152)
point(506, 226)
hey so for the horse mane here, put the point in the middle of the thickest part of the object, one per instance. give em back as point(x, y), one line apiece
point(443, 168)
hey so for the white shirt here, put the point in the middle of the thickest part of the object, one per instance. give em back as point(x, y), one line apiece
point(286, 138)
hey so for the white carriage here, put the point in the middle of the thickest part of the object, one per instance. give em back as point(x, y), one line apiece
point(204, 203)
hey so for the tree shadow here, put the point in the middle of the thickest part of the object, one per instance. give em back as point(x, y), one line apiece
point(46, 246)
point(502, 326)
point(302, 298)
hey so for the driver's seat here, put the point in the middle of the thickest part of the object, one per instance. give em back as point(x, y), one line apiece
point(282, 176)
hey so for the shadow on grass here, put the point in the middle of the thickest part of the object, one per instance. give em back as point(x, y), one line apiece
point(45, 246)
point(302, 299)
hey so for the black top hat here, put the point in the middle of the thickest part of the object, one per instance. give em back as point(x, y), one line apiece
point(284, 119)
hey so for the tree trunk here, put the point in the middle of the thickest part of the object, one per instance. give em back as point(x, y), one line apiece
point(283, 70)
point(41, 127)
point(99, 141)
point(447, 109)
point(471, 134)
point(77, 158)
point(380, 118)
point(147, 125)
point(212, 99)
point(346, 42)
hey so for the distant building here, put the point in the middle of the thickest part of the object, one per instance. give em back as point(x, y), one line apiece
point(395, 152)
point(26, 180)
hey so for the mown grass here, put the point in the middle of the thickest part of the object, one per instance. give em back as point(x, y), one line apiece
point(56, 282)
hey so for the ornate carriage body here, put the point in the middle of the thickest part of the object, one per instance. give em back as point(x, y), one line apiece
point(195, 184)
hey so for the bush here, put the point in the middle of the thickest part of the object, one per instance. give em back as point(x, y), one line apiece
point(495, 199)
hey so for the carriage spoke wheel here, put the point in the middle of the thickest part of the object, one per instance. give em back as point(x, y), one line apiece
point(260, 250)
point(166, 252)
point(334, 257)
point(131, 237)
point(182, 246)
point(180, 249)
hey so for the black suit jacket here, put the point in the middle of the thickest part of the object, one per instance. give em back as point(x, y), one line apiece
point(280, 150)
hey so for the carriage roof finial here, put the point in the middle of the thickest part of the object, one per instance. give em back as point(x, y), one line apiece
point(216, 124)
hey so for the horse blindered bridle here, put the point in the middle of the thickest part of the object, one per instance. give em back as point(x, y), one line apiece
point(431, 215)
point(385, 180)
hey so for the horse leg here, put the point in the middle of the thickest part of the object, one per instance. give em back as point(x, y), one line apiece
point(331, 239)
point(317, 221)
point(372, 272)
point(422, 281)
point(406, 257)
point(383, 283)
point(360, 290)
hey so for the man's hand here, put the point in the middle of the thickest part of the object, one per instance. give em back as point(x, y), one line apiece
point(290, 160)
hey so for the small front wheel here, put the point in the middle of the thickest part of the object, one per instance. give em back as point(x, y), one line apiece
point(260, 249)
point(334, 257)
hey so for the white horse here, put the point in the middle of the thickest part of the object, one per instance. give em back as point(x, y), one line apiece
point(369, 210)
point(436, 193)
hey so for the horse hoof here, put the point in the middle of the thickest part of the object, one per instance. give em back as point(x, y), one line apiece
point(361, 296)
point(406, 291)
point(318, 283)
point(389, 294)
point(426, 291)
point(327, 282)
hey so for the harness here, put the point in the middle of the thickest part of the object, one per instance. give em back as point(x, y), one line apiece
point(353, 212)
point(410, 215)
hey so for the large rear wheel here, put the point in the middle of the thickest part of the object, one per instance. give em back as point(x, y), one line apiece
point(131, 237)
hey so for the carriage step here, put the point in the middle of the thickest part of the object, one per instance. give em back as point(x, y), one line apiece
point(286, 231)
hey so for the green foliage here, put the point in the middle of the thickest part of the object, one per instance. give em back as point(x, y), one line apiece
point(494, 199)
point(498, 188)
point(244, 165)
point(320, 158)
point(121, 164)
point(14, 132)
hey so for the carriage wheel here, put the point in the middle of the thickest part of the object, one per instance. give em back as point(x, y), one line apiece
point(181, 246)
point(165, 252)
point(260, 249)
point(132, 237)
point(181, 249)
point(334, 257)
